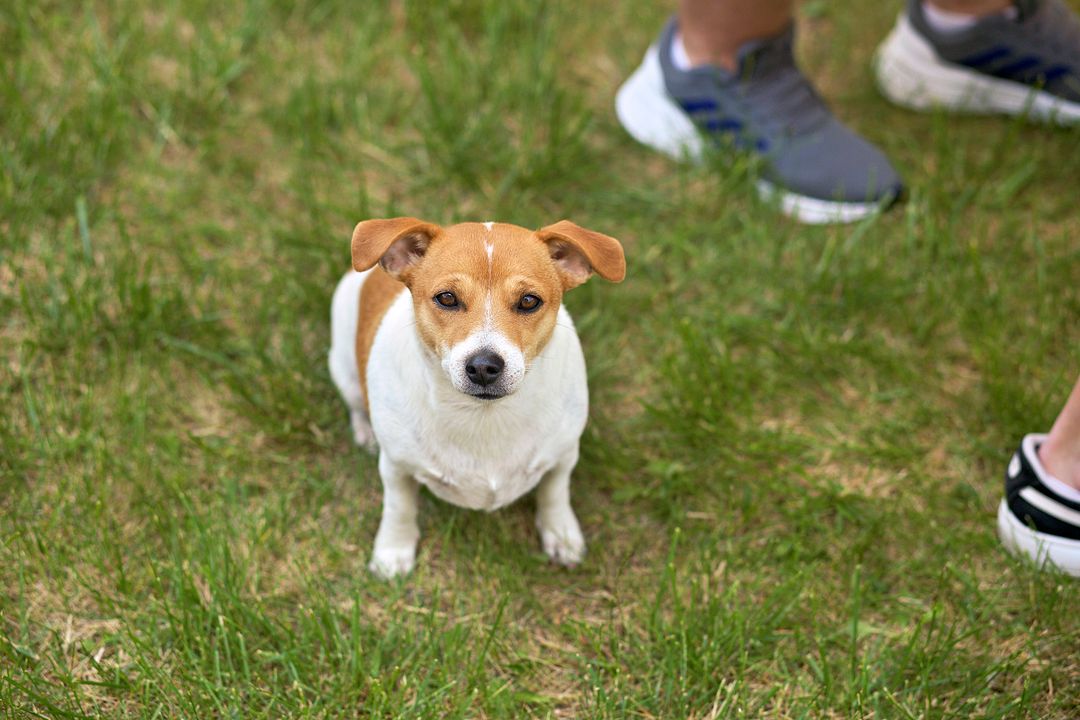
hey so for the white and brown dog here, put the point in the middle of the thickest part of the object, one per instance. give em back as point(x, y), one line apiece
point(456, 357)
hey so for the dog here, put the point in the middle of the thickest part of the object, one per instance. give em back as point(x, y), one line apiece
point(459, 363)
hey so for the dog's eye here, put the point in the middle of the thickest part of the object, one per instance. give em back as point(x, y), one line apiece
point(529, 303)
point(447, 300)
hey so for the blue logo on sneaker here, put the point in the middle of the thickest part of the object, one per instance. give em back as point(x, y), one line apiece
point(1028, 69)
point(698, 107)
point(985, 58)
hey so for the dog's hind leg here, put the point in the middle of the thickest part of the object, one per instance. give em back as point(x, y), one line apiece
point(348, 384)
point(342, 357)
point(362, 432)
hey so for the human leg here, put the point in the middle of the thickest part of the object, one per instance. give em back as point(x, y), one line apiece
point(1060, 453)
point(712, 32)
point(971, 7)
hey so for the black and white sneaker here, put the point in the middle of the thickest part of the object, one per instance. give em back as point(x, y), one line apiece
point(1035, 521)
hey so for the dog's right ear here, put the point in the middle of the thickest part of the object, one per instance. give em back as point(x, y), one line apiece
point(396, 243)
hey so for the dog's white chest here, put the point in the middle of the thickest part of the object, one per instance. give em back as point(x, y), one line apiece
point(467, 452)
point(481, 485)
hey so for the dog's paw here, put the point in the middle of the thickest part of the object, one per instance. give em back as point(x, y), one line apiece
point(363, 435)
point(562, 540)
point(389, 563)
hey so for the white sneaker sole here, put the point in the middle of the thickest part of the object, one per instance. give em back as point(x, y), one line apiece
point(1043, 549)
point(653, 119)
point(910, 73)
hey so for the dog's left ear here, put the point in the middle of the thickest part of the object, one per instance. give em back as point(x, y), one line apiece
point(396, 243)
point(578, 253)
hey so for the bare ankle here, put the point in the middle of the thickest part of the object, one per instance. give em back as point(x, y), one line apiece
point(972, 7)
point(706, 51)
point(1060, 463)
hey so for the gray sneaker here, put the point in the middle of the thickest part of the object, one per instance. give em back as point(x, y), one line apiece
point(816, 168)
point(1025, 66)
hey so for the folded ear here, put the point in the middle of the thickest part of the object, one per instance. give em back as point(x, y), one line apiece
point(578, 253)
point(397, 244)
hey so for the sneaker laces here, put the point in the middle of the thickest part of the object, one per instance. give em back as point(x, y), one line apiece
point(777, 96)
point(1051, 24)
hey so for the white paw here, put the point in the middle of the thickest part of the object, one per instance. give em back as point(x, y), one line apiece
point(389, 563)
point(362, 432)
point(562, 539)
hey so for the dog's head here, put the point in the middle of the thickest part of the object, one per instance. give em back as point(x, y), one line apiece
point(486, 295)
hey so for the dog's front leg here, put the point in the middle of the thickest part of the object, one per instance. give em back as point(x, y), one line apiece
point(560, 533)
point(395, 543)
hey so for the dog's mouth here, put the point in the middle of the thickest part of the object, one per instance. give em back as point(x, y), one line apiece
point(487, 395)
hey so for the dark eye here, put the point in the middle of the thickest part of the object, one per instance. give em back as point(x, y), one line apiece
point(447, 299)
point(529, 303)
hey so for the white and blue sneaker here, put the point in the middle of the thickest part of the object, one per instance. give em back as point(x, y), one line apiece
point(817, 169)
point(1025, 62)
point(1034, 520)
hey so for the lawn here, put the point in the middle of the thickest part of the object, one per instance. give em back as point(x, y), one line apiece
point(797, 435)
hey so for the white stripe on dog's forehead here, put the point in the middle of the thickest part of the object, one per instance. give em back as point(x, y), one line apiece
point(489, 247)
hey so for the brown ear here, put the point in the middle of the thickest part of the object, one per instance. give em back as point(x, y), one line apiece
point(578, 253)
point(397, 244)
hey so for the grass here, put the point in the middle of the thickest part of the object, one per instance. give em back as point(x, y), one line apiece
point(789, 480)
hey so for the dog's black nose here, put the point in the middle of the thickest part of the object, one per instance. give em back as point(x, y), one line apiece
point(484, 368)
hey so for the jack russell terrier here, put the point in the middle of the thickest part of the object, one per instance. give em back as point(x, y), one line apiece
point(457, 359)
